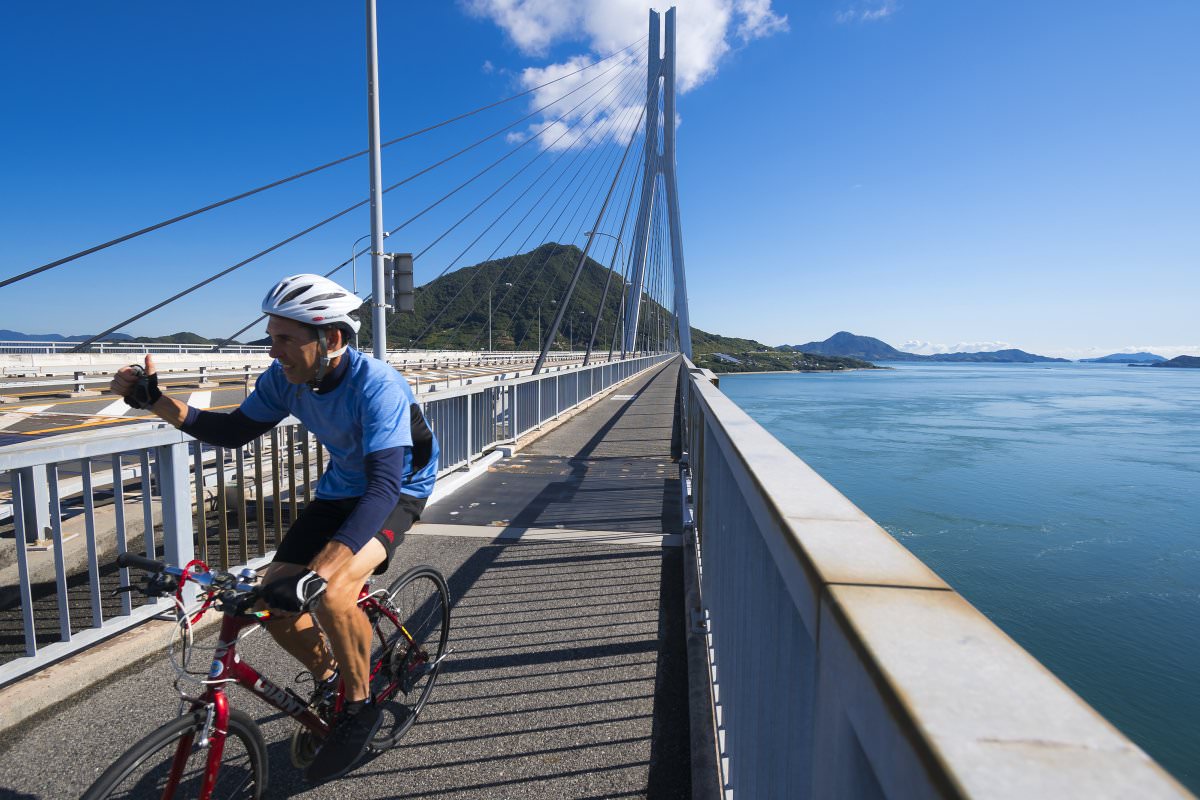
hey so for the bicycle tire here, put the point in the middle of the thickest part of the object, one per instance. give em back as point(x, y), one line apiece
point(142, 771)
point(403, 677)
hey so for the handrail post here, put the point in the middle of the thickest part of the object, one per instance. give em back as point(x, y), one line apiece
point(179, 545)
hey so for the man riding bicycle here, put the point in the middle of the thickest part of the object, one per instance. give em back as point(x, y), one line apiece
point(383, 463)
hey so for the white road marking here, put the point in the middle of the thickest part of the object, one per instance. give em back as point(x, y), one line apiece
point(200, 399)
point(12, 418)
point(499, 534)
point(117, 408)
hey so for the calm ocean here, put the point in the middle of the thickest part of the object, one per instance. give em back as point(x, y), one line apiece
point(1062, 500)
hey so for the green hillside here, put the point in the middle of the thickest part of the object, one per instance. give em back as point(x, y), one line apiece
point(452, 311)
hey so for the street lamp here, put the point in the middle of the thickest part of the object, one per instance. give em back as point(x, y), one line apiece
point(490, 288)
point(552, 303)
point(353, 255)
point(571, 331)
point(617, 239)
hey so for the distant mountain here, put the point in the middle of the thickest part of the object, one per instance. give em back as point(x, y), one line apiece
point(182, 337)
point(1187, 362)
point(17, 336)
point(1125, 358)
point(844, 343)
point(869, 348)
point(1010, 356)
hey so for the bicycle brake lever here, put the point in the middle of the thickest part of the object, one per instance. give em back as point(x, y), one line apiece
point(123, 589)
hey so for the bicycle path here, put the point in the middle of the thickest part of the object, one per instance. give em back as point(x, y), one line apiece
point(568, 678)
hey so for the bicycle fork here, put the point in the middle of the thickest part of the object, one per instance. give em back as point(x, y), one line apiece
point(212, 737)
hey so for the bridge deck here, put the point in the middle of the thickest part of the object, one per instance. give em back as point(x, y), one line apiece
point(569, 676)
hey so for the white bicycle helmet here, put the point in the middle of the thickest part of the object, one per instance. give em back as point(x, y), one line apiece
point(315, 300)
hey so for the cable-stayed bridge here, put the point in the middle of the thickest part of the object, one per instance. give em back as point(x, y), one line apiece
point(652, 596)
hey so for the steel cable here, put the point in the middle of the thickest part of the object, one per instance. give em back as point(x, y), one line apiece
point(305, 173)
point(591, 157)
point(82, 345)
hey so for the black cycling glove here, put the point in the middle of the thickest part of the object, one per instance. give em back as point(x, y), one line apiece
point(298, 592)
point(145, 392)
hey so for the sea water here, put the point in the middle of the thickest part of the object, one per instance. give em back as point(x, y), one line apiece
point(1062, 500)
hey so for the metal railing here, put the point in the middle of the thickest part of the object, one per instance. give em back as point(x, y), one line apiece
point(839, 665)
point(78, 500)
point(126, 347)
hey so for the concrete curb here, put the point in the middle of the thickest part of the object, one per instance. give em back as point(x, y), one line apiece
point(58, 683)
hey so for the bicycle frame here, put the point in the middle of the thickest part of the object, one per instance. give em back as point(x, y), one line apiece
point(228, 667)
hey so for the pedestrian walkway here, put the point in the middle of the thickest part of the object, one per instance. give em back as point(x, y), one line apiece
point(568, 678)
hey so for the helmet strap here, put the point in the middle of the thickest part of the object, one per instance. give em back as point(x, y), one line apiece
point(322, 358)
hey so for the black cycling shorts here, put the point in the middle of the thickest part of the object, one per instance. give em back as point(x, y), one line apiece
point(320, 520)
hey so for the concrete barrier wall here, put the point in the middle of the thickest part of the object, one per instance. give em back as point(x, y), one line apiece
point(67, 364)
point(843, 667)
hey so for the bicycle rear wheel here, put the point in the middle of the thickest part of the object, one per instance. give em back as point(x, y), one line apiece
point(403, 673)
point(144, 770)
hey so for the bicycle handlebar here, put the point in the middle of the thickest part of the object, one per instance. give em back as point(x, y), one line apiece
point(225, 588)
point(141, 562)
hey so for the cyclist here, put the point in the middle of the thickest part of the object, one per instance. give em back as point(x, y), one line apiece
point(383, 463)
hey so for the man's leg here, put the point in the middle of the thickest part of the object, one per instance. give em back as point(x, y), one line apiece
point(298, 634)
point(347, 627)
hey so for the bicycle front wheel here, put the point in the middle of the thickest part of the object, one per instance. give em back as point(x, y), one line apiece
point(145, 769)
point(404, 667)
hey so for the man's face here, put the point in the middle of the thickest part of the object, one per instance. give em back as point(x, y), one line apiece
point(295, 346)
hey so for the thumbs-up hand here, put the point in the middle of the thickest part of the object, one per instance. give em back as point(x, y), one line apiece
point(138, 385)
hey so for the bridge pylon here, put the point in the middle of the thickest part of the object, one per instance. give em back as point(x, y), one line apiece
point(659, 164)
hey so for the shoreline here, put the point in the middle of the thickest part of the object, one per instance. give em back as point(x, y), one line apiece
point(798, 371)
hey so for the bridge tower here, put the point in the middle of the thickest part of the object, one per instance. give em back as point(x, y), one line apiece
point(660, 164)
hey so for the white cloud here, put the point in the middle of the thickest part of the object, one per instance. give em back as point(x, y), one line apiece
point(757, 20)
point(706, 31)
point(930, 348)
point(703, 33)
point(868, 11)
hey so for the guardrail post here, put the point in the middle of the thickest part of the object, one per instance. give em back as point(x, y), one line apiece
point(470, 444)
point(179, 545)
point(35, 503)
point(23, 583)
point(512, 407)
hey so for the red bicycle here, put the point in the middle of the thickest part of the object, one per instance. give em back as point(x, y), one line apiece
point(212, 750)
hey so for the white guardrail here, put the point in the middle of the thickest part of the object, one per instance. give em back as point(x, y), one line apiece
point(79, 499)
point(841, 666)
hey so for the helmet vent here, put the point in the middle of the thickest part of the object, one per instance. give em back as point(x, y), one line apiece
point(292, 295)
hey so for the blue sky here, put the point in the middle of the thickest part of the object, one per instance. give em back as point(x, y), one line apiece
point(954, 174)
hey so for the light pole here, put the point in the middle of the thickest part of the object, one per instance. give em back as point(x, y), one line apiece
point(552, 303)
point(571, 332)
point(490, 288)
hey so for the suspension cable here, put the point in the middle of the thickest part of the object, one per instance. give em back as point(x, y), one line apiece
point(433, 321)
point(524, 269)
point(308, 230)
point(589, 179)
point(615, 81)
point(298, 175)
point(591, 131)
point(616, 250)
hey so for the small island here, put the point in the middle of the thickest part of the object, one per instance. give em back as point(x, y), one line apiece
point(1185, 362)
point(1124, 358)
